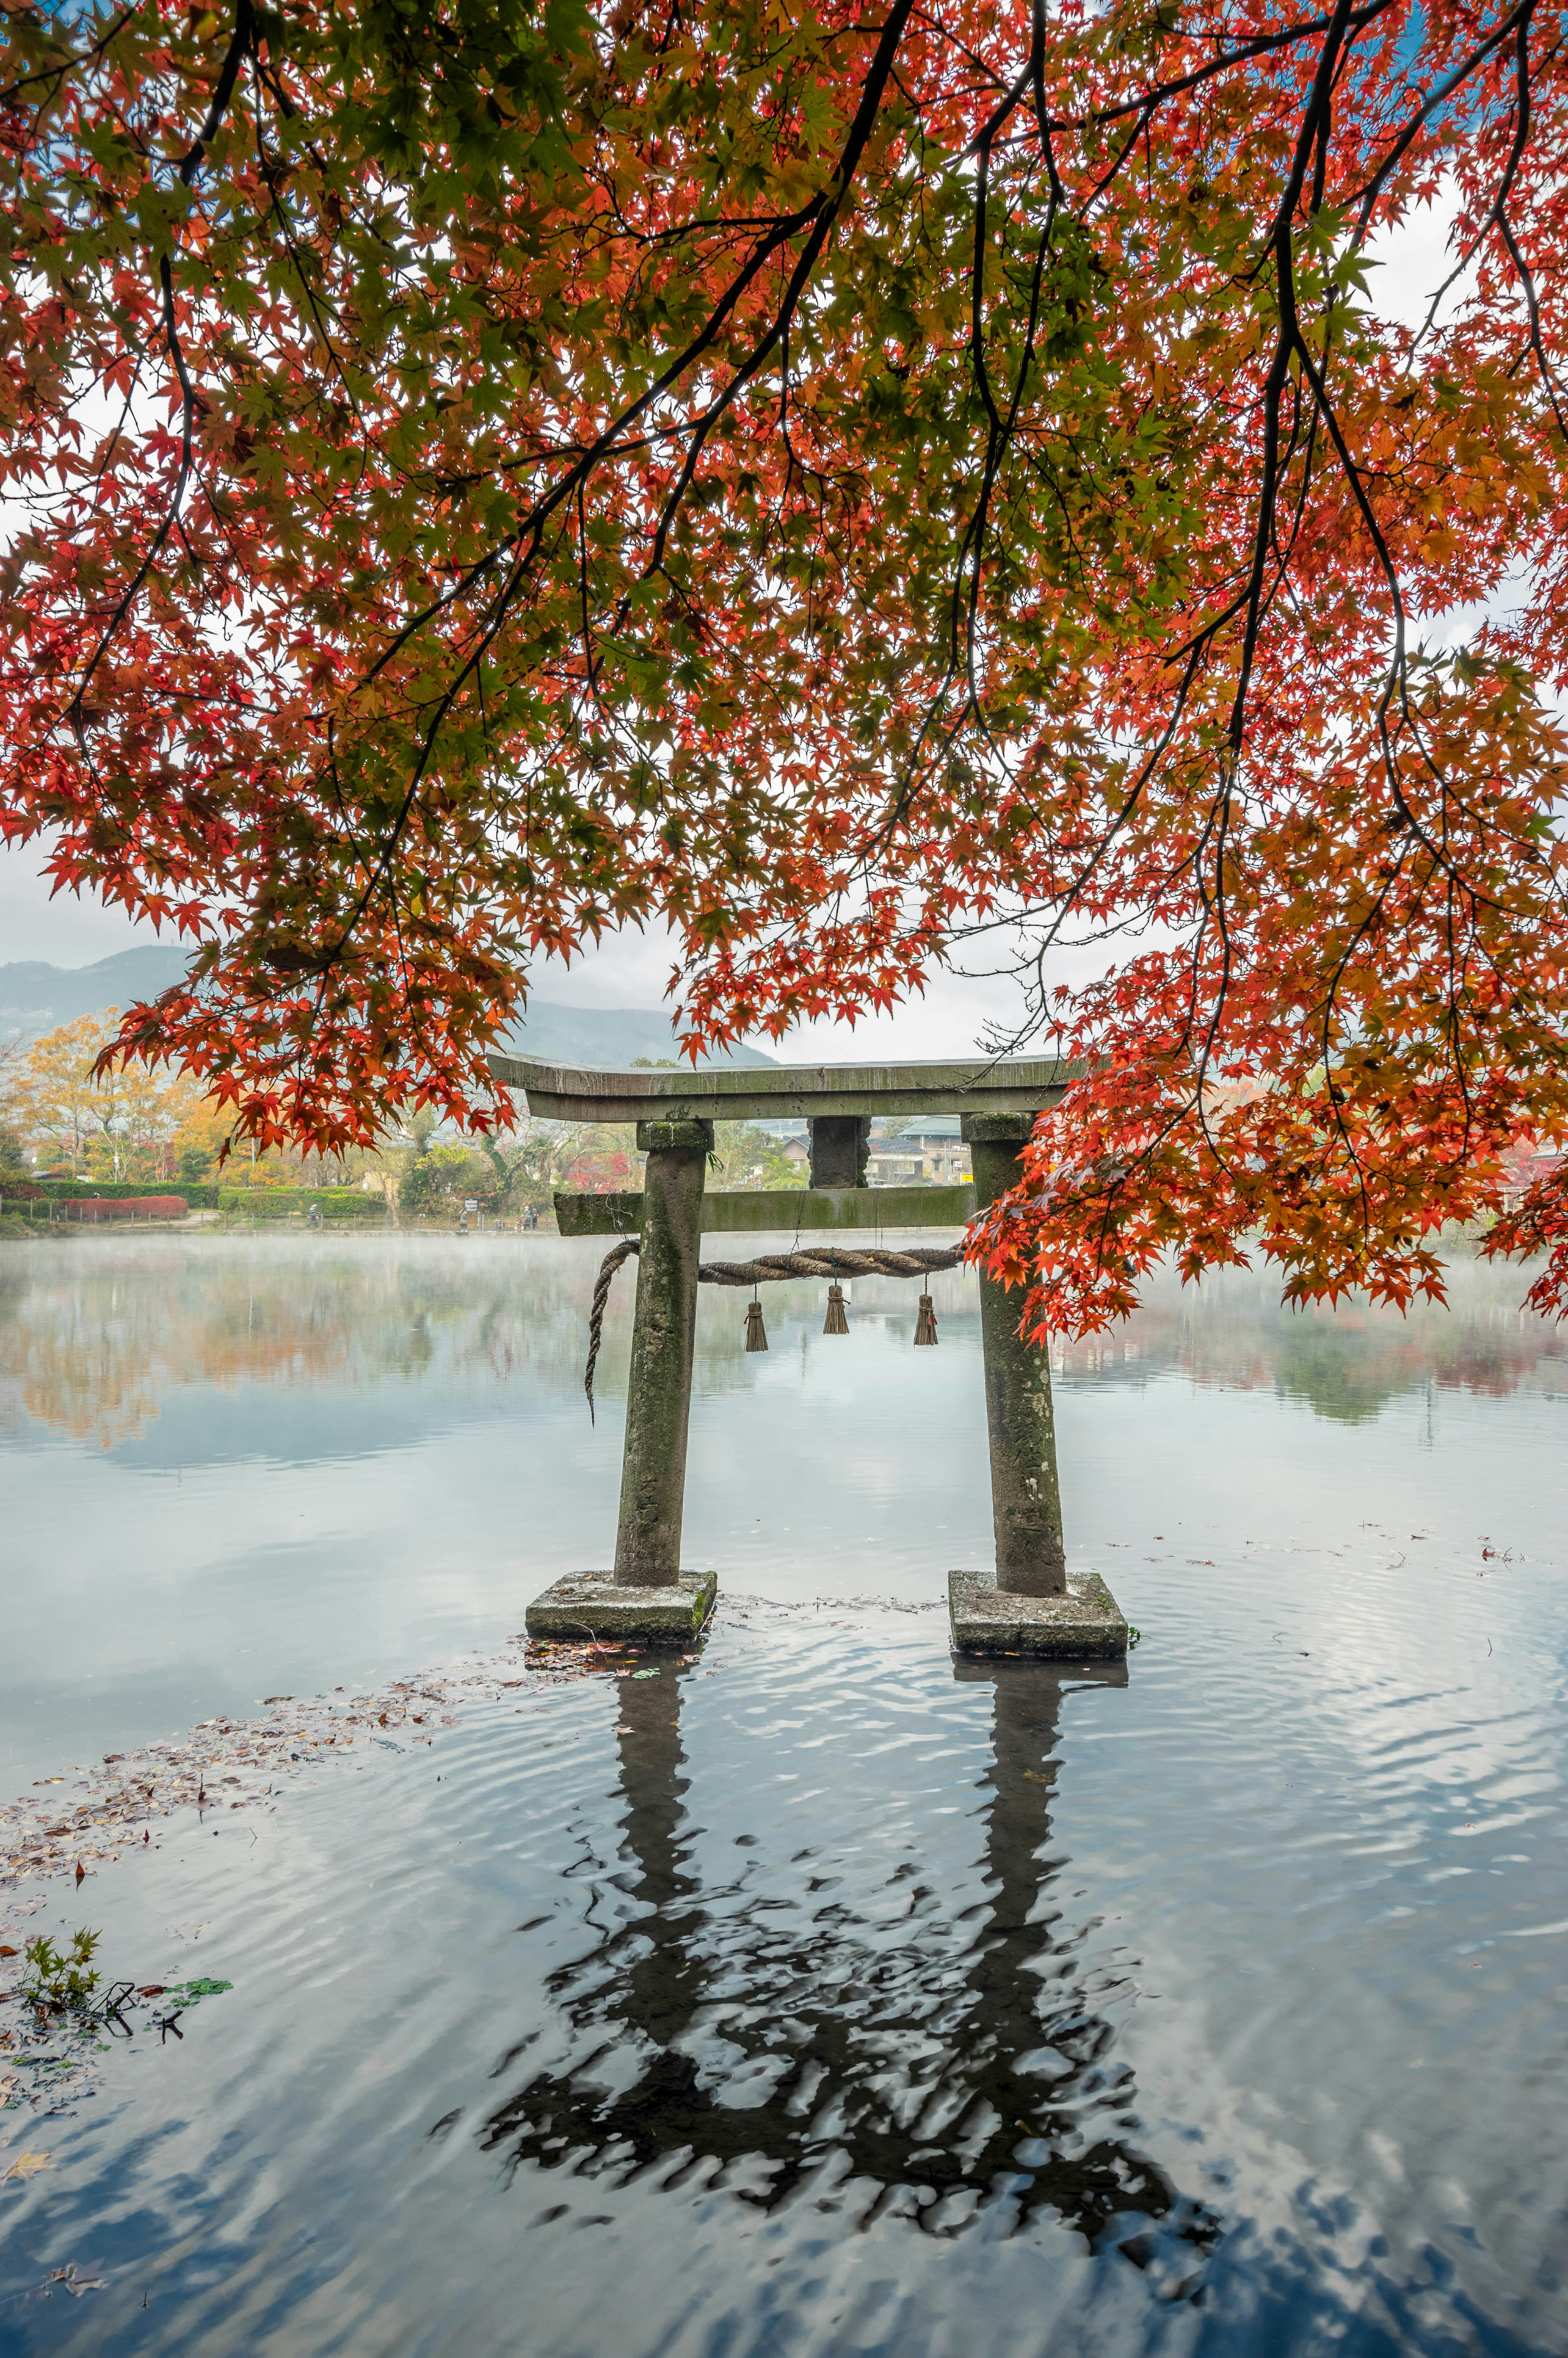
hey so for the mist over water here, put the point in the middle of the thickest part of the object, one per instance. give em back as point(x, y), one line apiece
point(819, 1993)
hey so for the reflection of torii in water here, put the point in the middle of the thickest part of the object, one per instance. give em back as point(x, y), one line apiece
point(920, 2103)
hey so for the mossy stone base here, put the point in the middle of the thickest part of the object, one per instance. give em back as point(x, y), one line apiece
point(596, 1604)
point(1085, 1626)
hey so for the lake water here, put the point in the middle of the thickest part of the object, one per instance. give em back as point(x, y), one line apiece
point(820, 1995)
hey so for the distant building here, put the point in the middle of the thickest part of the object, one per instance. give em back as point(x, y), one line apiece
point(929, 1150)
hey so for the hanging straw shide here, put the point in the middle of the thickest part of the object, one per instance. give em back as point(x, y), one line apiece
point(804, 1261)
point(926, 1322)
point(756, 1333)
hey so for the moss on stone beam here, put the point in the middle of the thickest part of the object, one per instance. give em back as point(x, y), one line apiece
point(779, 1211)
point(765, 1093)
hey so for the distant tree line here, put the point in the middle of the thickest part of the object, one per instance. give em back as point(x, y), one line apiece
point(59, 1119)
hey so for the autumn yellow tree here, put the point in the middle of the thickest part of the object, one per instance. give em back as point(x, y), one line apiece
point(129, 1125)
point(150, 1119)
point(51, 1098)
point(199, 1140)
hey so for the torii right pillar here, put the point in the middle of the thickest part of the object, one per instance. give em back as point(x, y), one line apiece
point(1028, 1602)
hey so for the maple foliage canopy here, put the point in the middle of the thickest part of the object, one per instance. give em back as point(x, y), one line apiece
point(830, 479)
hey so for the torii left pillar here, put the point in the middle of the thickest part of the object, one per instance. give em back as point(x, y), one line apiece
point(648, 1599)
point(664, 1343)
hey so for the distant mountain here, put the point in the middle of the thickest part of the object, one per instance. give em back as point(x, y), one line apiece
point(35, 998)
point(608, 1036)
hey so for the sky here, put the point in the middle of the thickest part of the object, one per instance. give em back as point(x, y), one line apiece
point(631, 969)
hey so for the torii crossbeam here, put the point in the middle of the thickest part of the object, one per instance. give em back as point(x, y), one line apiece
point(1027, 1604)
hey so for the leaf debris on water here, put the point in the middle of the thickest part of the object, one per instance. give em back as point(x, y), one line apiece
point(120, 1799)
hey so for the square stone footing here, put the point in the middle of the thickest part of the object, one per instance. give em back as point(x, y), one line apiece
point(594, 1605)
point(1085, 1626)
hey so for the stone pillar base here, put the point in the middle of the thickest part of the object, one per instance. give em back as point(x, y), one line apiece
point(1085, 1626)
point(587, 1604)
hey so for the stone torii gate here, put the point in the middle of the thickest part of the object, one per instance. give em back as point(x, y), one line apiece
point(1026, 1604)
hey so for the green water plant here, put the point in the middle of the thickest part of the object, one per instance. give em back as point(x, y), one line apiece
point(61, 1977)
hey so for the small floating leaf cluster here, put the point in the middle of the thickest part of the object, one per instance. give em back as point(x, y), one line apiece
point(231, 1764)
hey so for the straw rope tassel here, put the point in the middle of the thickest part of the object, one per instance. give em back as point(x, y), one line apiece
point(926, 1322)
point(813, 1262)
point(756, 1333)
point(834, 1323)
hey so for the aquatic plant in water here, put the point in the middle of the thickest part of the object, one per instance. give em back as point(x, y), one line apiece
point(61, 1978)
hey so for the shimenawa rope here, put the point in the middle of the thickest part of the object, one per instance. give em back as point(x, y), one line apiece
point(832, 1261)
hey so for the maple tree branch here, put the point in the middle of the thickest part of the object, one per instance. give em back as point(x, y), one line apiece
point(1261, 45)
point(821, 213)
point(1498, 214)
point(1442, 92)
point(63, 67)
point(1313, 120)
point(76, 710)
point(241, 43)
point(189, 165)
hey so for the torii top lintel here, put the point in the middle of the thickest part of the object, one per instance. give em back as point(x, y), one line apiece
point(763, 1092)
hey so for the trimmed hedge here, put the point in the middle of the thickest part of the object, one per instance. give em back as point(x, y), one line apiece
point(282, 1202)
point(199, 1195)
point(94, 1209)
point(261, 1203)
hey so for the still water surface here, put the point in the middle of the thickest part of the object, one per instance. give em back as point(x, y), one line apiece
point(820, 1995)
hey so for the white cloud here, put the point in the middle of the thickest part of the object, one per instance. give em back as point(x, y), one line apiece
point(628, 969)
point(1412, 260)
point(70, 930)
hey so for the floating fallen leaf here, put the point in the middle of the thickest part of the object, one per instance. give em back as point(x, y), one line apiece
point(294, 1734)
point(10, 1952)
point(26, 2165)
point(76, 2280)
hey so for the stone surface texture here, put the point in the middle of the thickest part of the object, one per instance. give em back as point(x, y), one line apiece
point(840, 1146)
point(1026, 1499)
point(1085, 1626)
point(578, 1093)
point(663, 1336)
point(779, 1211)
point(596, 1604)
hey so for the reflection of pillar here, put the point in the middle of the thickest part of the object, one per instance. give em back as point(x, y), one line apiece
point(1018, 1826)
point(644, 1982)
point(664, 1340)
point(1015, 2007)
point(663, 1983)
point(889, 2076)
point(1026, 1502)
